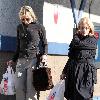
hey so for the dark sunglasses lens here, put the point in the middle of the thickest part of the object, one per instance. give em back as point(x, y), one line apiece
point(25, 19)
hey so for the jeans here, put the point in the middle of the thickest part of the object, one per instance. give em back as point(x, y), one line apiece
point(24, 87)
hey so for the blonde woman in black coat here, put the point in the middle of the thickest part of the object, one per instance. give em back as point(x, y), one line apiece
point(80, 71)
point(31, 46)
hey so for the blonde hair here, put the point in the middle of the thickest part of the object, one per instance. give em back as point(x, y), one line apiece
point(86, 20)
point(25, 9)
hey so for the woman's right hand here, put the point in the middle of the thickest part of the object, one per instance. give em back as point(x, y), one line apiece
point(10, 63)
point(62, 76)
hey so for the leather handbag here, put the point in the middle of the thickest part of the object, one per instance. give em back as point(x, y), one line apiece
point(42, 79)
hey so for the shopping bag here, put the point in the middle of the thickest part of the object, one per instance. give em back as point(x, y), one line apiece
point(7, 86)
point(57, 93)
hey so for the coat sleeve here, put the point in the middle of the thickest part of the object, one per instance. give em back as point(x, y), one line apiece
point(45, 44)
point(16, 55)
point(67, 67)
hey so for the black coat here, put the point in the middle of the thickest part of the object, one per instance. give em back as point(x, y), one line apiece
point(31, 41)
point(80, 70)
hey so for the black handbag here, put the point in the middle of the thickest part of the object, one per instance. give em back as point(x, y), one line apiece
point(42, 79)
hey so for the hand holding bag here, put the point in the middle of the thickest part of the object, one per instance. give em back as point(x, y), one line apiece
point(42, 79)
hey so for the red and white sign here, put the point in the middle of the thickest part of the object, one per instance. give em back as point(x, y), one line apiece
point(58, 22)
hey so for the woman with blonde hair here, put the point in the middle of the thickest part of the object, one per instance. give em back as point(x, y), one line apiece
point(31, 47)
point(87, 22)
point(79, 72)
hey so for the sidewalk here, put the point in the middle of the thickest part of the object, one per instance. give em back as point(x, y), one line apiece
point(56, 63)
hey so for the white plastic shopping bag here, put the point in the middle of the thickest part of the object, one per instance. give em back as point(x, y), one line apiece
point(57, 93)
point(7, 86)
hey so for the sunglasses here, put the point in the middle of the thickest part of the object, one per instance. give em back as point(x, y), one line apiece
point(25, 19)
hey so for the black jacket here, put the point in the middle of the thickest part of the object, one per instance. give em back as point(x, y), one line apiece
point(31, 41)
point(82, 49)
